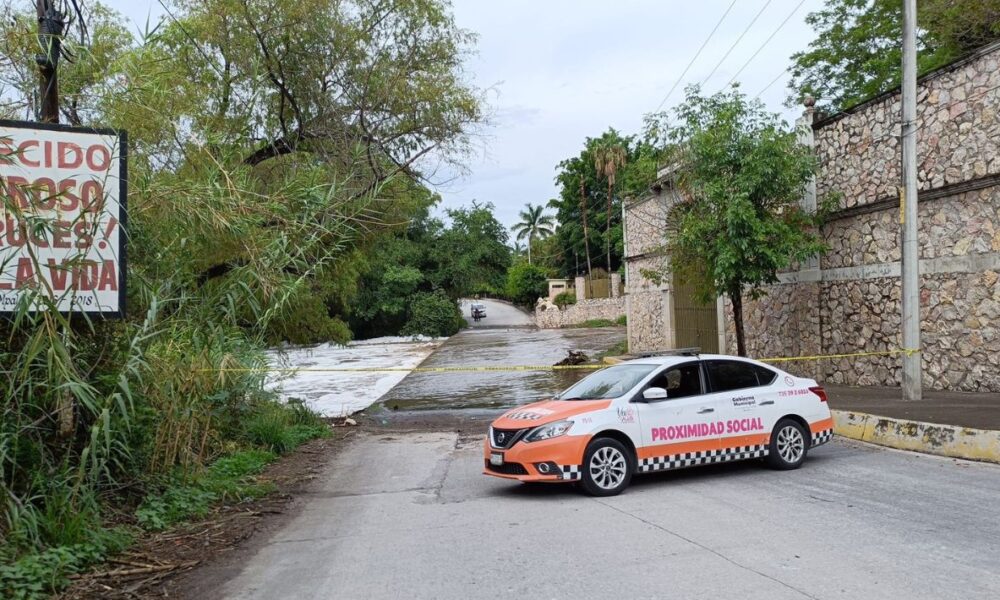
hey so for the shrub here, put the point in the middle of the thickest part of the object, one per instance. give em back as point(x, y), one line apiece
point(526, 283)
point(433, 314)
point(622, 321)
point(564, 299)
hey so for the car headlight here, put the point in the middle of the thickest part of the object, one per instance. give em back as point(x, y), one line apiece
point(548, 431)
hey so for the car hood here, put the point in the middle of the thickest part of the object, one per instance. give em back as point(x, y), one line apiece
point(547, 411)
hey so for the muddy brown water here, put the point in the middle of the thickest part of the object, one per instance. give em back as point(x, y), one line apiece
point(490, 391)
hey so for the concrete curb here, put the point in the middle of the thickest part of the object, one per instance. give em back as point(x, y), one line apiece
point(930, 438)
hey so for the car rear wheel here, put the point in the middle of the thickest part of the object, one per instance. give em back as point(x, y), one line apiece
point(789, 445)
point(607, 467)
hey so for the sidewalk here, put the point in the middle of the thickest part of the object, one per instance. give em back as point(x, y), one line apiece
point(955, 424)
point(964, 409)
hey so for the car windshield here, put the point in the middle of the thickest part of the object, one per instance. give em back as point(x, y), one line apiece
point(608, 383)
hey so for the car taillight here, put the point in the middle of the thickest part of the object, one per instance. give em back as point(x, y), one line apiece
point(819, 392)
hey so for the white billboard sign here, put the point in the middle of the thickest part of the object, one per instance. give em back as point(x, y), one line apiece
point(62, 213)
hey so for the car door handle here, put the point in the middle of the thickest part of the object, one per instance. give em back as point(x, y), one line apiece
point(705, 410)
point(766, 402)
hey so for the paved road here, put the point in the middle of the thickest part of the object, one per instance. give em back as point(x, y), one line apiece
point(498, 314)
point(409, 515)
point(406, 512)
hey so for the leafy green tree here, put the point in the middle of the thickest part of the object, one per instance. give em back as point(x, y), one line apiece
point(472, 253)
point(609, 158)
point(534, 224)
point(274, 149)
point(526, 283)
point(584, 197)
point(742, 173)
point(433, 314)
point(857, 50)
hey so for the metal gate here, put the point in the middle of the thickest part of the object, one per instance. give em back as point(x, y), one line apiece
point(695, 324)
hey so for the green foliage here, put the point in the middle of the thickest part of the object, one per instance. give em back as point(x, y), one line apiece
point(573, 243)
point(526, 283)
point(279, 429)
point(857, 52)
point(564, 299)
point(38, 575)
point(257, 199)
point(619, 349)
point(742, 173)
point(472, 252)
point(468, 257)
point(433, 314)
point(534, 224)
point(622, 321)
point(595, 323)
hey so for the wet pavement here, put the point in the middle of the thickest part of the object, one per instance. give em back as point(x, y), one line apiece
point(486, 392)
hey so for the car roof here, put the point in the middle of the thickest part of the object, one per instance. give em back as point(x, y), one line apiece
point(673, 359)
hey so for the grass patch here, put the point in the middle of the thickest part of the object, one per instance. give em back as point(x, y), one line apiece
point(619, 349)
point(76, 539)
point(594, 323)
point(229, 479)
point(38, 575)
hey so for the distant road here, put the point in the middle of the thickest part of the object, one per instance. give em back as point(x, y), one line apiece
point(498, 314)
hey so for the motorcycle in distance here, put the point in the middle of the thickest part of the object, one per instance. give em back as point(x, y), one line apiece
point(478, 311)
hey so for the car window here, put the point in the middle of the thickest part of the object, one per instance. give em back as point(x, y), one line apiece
point(680, 381)
point(725, 375)
point(608, 383)
point(765, 376)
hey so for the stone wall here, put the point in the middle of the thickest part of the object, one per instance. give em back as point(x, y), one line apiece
point(549, 316)
point(852, 302)
point(648, 304)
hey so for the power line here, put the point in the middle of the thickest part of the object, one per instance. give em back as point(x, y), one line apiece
point(773, 81)
point(696, 55)
point(767, 41)
point(731, 48)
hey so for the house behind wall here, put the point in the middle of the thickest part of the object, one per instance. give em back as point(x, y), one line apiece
point(848, 300)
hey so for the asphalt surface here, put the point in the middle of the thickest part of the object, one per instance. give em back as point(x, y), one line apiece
point(410, 515)
point(975, 410)
point(498, 314)
point(404, 511)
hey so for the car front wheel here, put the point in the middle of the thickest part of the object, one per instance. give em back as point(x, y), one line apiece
point(607, 467)
point(788, 447)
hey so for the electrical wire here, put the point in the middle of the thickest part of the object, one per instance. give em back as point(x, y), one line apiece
point(766, 42)
point(696, 55)
point(731, 48)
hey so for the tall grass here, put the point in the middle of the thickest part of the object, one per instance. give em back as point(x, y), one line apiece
point(97, 415)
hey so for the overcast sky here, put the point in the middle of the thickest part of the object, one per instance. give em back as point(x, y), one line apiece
point(558, 71)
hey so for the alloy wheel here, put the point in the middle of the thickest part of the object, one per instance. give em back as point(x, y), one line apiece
point(608, 468)
point(791, 444)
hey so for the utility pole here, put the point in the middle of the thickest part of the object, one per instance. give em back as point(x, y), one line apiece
point(908, 210)
point(51, 23)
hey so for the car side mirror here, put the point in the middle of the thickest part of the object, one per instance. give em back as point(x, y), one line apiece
point(654, 393)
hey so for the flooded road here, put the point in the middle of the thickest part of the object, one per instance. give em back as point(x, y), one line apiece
point(493, 390)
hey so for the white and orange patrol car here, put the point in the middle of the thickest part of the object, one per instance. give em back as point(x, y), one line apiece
point(658, 413)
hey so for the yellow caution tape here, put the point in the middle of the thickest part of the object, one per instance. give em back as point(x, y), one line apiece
point(906, 351)
point(505, 368)
point(417, 369)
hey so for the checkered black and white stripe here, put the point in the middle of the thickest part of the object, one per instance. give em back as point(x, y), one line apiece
point(821, 437)
point(570, 472)
point(707, 457)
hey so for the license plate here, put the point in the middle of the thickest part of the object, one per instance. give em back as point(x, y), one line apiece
point(496, 459)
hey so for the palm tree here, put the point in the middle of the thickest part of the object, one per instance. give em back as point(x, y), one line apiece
point(608, 159)
point(534, 225)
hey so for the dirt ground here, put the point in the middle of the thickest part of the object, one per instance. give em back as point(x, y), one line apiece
point(166, 564)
